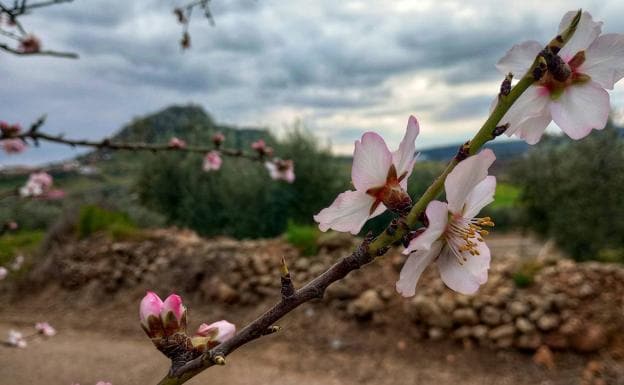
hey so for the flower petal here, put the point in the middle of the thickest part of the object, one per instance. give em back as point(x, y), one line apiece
point(465, 177)
point(604, 60)
point(405, 156)
point(414, 267)
point(371, 162)
point(152, 305)
point(348, 212)
point(467, 277)
point(481, 196)
point(437, 216)
point(532, 129)
point(519, 58)
point(580, 109)
point(532, 103)
point(586, 32)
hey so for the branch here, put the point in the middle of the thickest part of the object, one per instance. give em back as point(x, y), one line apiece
point(35, 136)
point(68, 55)
point(370, 247)
point(20, 10)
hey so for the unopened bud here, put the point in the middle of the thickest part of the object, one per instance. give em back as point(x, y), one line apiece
point(209, 336)
point(149, 313)
point(173, 315)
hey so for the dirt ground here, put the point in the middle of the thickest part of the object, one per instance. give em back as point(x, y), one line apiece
point(315, 346)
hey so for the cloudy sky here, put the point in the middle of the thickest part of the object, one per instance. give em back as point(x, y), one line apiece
point(341, 67)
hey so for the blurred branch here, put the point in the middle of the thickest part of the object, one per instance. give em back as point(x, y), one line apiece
point(29, 44)
point(184, 14)
point(33, 134)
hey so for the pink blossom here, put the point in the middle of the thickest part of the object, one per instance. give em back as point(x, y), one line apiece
point(3, 272)
point(281, 170)
point(258, 145)
point(578, 103)
point(16, 339)
point(218, 138)
point(13, 146)
point(30, 44)
point(219, 331)
point(454, 237)
point(380, 179)
point(103, 383)
point(12, 225)
point(212, 161)
point(45, 328)
point(9, 130)
point(151, 306)
point(177, 143)
point(38, 184)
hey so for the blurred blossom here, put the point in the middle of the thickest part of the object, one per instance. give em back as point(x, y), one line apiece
point(575, 95)
point(16, 339)
point(38, 183)
point(13, 146)
point(3, 272)
point(212, 161)
point(380, 179)
point(103, 383)
point(218, 138)
point(177, 143)
point(30, 44)
point(45, 328)
point(281, 170)
point(9, 129)
point(454, 237)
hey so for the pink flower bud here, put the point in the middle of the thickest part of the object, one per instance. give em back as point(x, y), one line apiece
point(45, 328)
point(13, 146)
point(218, 138)
point(212, 161)
point(149, 313)
point(173, 315)
point(177, 143)
point(281, 170)
point(209, 336)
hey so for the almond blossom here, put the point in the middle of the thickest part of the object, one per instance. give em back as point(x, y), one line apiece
point(45, 329)
point(3, 272)
point(177, 143)
point(380, 179)
point(454, 237)
point(16, 339)
point(261, 148)
point(212, 161)
point(13, 146)
point(218, 139)
point(575, 98)
point(281, 170)
point(37, 185)
point(209, 336)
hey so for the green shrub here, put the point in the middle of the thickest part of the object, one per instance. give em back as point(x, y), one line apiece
point(94, 219)
point(303, 237)
point(572, 192)
point(524, 276)
point(20, 242)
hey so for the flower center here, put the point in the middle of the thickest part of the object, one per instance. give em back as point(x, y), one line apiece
point(463, 235)
point(556, 83)
point(391, 194)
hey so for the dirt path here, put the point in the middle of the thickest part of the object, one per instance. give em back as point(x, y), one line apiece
point(86, 357)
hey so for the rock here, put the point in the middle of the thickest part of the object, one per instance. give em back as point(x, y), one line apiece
point(462, 332)
point(524, 325)
point(556, 340)
point(571, 327)
point(423, 308)
point(302, 263)
point(585, 290)
point(517, 308)
point(544, 357)
point(575, 279)
point(435, 333)
point(529, 341)
point(446, 302)
point(259, 265)
point(504, 343)
point(491, 315)
point(465, 316)
point(591, 338)
point(366, 304)
point(334, 240)
point(502, 331)
point(480, 331)
point(548, 322)
point(536, 314)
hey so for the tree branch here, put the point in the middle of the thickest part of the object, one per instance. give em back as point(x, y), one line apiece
point(68, 55)
point(370, 247)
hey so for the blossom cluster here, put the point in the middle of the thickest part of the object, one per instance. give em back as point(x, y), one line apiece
point(569, 90)
point(9, 144)
point(165, 321)
point(19, 340)
point(39, 185)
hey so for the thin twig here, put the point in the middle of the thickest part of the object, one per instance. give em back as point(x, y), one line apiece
point(68, 55)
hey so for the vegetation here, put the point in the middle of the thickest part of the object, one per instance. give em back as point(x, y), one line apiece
point(94, 219)
point(22, 242)
point(303, 237)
